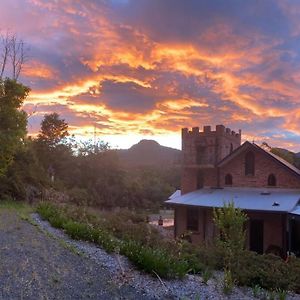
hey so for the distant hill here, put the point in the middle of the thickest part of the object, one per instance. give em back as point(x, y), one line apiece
point(289, 156)
point(149, 152)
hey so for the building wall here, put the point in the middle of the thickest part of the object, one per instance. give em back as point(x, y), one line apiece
point(206, 230)
point(189, 178)
point(215, 146)
point(264, 166)
point(274, 226)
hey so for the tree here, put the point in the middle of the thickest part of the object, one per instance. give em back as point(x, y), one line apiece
point(53, 131)
point(230, 222)
point(13, 120)
point(12, 55)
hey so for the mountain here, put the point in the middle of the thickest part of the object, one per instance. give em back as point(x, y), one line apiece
point(149, 152)
point(289, 156)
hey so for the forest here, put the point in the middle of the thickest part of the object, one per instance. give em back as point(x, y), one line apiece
point(54, 164)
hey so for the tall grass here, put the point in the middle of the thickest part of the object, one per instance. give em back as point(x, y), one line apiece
point(150, 259)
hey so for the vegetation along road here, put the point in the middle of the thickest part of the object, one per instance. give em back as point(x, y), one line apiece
point(33, 265)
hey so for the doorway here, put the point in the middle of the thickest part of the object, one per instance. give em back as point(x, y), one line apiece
point(257, 236)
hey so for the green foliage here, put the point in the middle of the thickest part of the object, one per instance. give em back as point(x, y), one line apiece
point(154, 260)
point(24, 177)
point(257, 291)
point(13, 120)
point(147, 257)
point(53, 130)
point(285, 154)
point(282, 294)
point(228, 282)
point(230, 222)
point(206, 275)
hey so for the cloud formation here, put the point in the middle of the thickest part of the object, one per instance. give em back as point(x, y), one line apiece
point(150, 67)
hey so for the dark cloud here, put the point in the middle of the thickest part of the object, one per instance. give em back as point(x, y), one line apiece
point(155, 66)
point(127, 96)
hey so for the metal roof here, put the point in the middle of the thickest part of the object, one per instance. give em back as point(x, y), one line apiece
point(296, 211)
point(259, 199)
point(176, 194)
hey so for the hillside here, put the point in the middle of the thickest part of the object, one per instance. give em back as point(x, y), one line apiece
point(149, 152)
point(289, 156)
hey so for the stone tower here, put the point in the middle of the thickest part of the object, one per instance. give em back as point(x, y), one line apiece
point(202, 150)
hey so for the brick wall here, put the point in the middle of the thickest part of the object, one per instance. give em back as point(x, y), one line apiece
point(274, 226)
point(264, 166)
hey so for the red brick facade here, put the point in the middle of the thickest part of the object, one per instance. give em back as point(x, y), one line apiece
point(208, 156)
point(264, 166)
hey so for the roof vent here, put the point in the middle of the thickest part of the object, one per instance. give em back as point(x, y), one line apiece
point(275, 203)
point(265, 193)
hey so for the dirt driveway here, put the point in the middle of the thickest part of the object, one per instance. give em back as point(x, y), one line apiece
point(33, 265)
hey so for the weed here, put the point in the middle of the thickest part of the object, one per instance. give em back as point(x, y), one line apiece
point(228, 282)
point(206, 275)
point(70, 247)
point(157, 259)
point(257, 291)
point(281, 294)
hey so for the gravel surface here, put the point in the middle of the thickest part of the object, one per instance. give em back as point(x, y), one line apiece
point(34, 265)
point(41, 262)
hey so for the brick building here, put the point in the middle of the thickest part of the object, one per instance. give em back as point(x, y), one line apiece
point(216, 168)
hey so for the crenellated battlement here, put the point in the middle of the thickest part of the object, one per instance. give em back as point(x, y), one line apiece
point(220, 130)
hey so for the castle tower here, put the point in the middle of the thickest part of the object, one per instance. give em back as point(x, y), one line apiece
point(202, 150)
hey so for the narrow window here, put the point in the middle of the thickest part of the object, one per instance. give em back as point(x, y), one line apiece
point(192, 219)
point(200, 180)
point(249, 163)
point(231, 147)
point(228, 179)
point(200, 154)
point(272, 180)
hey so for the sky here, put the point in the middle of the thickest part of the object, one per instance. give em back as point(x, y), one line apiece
point(131, 69)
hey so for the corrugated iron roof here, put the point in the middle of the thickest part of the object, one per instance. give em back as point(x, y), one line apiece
point(259, 199)
point(176, 194)
point(296, 211)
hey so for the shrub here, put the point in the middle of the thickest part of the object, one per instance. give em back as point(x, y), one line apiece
point(154, 260)
point(146, 256)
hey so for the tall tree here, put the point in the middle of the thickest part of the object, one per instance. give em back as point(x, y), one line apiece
point(53, 131)
point(13, 120)
point(12, 55)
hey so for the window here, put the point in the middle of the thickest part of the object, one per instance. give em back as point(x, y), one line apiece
point(249, 163)
point(192, 219)
point(271, 180)
point(200, 154)
point(200, 180)
point(228, 179)
point(231, 147)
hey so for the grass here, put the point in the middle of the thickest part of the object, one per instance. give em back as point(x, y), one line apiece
point(128, 234)
point(151, 259)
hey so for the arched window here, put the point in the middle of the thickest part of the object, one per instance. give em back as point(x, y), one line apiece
point(249, 163)
point(228, 179)
point(200, 180)
point(231, 147)
point(272, 180)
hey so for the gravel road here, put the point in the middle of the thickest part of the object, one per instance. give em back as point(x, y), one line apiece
point(38, 261)
point(34, 265)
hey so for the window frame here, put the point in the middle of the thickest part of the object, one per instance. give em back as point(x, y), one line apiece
point(250, 163)
point(192, 219)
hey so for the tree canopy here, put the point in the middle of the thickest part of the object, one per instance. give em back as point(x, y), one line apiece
point(13, 120)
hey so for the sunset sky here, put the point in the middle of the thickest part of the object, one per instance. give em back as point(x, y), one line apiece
point(146, 68)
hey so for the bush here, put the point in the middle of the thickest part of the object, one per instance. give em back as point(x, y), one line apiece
point(267, 271)
point(154, 260)
point(146, 256)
